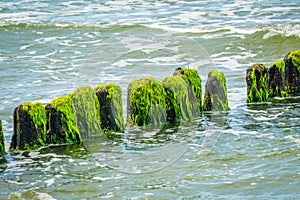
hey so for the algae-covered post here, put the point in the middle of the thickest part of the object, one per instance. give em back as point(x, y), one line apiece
point(2, 147)
point(146, 102)
point(276, 80)
point(61, 122)
point(282, 79)
point(178, 104)
point(111, 110)
point(86, 111)
point(193, 79)
point(292, 72)
point(29, 127)
point(257, 86)
point(215, 97)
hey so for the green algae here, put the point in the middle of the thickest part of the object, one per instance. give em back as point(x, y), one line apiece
point(292, 75)
point(294, 57)
point(29, 127)
point(179, 106)
point(172, 107)
point(111, 89)
point(257, 87)
point(276, 80)
point(85, 105)
point(37, 113)
point(110, 110)
point(195, 87)
point(215, 97)
point(280, 65)
point(62, 119)
point(146, 102)
point(2, 147)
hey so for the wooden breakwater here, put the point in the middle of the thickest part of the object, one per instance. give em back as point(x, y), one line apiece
point(281, 79)
point(89, 112)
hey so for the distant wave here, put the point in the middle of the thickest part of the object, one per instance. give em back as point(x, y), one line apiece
point(7, 24)
point(285, 30)
point(39, 25)
point(268, 31)
point(288, 30)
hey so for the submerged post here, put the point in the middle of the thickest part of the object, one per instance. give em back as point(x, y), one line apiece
point(86, 111)
point(111, 111)
point(215, 97)
point(194, 82)
point(184, 94)
point(2, 147)
point(61, 122)
point(179, 106)
point(276, 80)
point(257, 87)
point(29, 127)
point(146, 103)
point(292, 72)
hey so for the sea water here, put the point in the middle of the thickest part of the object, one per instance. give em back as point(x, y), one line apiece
point(50, 48)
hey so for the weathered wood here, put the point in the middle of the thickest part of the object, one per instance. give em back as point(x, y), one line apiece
point(292, 73)
point(193, 79)
point(276, 80)
point(146, 103)
point(179, 106)
point(215, 97)
point(86, 111)
point(2, 146)
point(29, 127)
point(61, 122)
point(257, 86)
point(111, 110)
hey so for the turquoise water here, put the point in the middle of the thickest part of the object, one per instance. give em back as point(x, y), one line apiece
point(48, 49)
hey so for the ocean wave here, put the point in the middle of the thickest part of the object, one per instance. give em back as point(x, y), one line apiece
point(16, 24)
point(38, 25)
point(285, 30)
point(188, 30)
point(288, 30)
point(268, 31)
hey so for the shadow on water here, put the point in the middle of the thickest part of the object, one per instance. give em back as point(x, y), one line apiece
point(147, 149)
point(139, 149)
point(3, 163)
point(72, 150)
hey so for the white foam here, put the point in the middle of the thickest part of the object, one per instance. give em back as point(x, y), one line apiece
point(284, 30)
point(269, 117)
point(101, 178)
point(50, 181)
point(185, 29)
point(44, 196)
point(25, 47)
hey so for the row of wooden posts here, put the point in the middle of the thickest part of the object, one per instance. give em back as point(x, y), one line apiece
point(281, 79)
point(89, 112)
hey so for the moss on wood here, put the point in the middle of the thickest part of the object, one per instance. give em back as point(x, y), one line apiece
point(85, 104)
point(2, 147)
point(215, 97)
point(257, 86)
point(111, 110)
point(179, 106)
point(292, 73)
point(276, 80)
point(146, 102)
point(192, 77)
point(29, 127)
point(61, 122)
